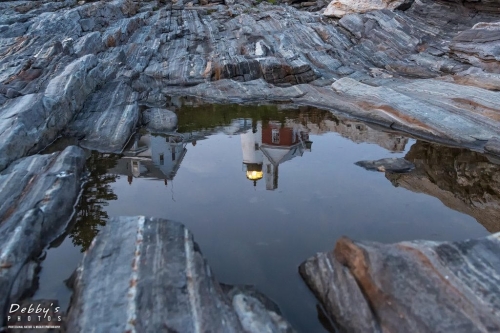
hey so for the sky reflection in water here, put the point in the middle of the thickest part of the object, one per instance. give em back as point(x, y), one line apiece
point(264, 189)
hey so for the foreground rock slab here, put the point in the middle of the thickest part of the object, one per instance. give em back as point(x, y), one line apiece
point(37, 195)
point(417, 286)
point(148, 275)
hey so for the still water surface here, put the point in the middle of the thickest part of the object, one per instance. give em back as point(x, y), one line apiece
point(264, 188)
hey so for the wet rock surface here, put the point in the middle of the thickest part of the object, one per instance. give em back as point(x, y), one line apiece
point(417, 286)
point(167, 286)
point(37, 198)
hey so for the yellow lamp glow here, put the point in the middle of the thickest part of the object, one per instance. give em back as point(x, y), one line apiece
point(255, 175)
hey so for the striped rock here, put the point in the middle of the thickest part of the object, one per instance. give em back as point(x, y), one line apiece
point(148, 275)
point(417, 286)
point(37, 198)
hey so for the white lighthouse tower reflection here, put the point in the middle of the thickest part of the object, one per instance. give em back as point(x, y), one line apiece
point(253, 159)
point(266, 147)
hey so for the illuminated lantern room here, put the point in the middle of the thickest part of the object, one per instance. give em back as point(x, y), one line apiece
point(254, 172)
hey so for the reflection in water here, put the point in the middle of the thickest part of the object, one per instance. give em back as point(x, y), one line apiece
point(264, 149)
point(153, 156)
point(463, 180)
point(96, 194)
point(226, 118)
point(256, 236)
point(270, 136)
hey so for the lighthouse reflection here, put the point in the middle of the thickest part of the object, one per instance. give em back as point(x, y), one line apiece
point(269, 138)
point(266, 147)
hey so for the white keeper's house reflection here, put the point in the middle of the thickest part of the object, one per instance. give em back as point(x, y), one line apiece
point(266, 147)
point(153, 156)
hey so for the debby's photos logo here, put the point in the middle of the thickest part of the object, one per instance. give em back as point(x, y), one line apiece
point(34, 315)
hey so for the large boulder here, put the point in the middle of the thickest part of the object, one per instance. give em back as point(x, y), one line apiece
point(417, 286)
point(148, 275)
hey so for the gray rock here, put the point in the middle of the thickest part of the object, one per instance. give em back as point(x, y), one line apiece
point(167, 285)
point(37, 199)
point(105, 123)
point(159, 120)
point(89, 44)
point(478, 78)
point(417, 286)
point(279, 52)
point(19, 119)
point(480, 46)
point(336, 288)
point(387, 164)
point(431, 106)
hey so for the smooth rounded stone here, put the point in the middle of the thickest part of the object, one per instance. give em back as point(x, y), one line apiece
point(36, 202)
point(387, 164)
point(413, 286)
point(161, 120)
point(339, 8)
point(167, 284)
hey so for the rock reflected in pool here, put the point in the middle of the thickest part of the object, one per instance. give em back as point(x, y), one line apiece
point(270, 136)
point(463, 180)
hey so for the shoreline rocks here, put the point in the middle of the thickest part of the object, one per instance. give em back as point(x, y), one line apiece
point(167, 286)
point(415, 286)
point(84, 69)
point(37, 199)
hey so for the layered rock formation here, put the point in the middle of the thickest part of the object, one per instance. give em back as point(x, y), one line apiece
point(37, 195)
point(91, 70)
point(166, 287)
point(82, 69)
point(417, 286)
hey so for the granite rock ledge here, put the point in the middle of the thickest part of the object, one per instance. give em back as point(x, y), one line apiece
point(166, 287)
point(416, 286)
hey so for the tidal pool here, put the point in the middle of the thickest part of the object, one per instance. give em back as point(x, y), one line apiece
point(263, 188)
